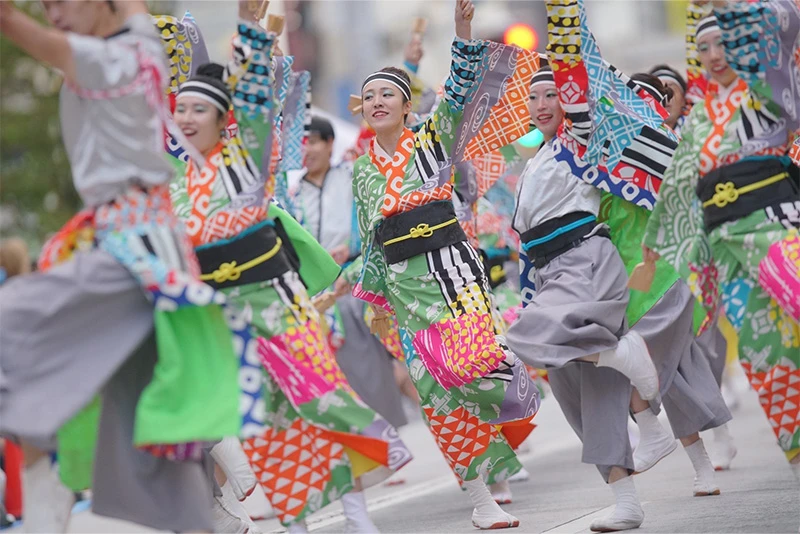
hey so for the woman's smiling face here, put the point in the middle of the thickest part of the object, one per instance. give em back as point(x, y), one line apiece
point(545, 109)
point(711, 53)
point(199, 121)
point(382, 106)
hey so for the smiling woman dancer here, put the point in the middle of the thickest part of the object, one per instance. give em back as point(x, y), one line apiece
point(121, 316)
point(732, 162)
point(347, 446)
point(417, 264)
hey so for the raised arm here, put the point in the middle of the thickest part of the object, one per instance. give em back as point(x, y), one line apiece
point(466, 57)
point(251, 82)
point(50, 45)
point(760, 42)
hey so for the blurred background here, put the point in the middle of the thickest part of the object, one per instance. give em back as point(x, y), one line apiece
point(338, 41)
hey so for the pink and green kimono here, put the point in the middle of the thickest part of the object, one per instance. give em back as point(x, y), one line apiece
point(310, 437)
point(754, 120)
point(441, 298)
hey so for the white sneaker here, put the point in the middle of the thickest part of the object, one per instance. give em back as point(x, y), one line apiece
point(48, 503)
point(632, 359)
point(501, 492)
point(230, 456)
point(493, 520)
point(520, 476)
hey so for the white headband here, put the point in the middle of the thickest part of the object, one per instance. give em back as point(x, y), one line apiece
point(391, 78)
point(207, 92)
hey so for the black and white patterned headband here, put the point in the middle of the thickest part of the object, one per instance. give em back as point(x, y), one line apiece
point(706, 26)
point(543, 76)
point(667, 76)
point(392, 78)
point(204, 90)
point(655, 93)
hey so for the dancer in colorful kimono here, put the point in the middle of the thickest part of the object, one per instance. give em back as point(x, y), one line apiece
point(333, 444)
point(117, 311)
point(712, 340)
point(690, 393)
point(736, 192)
point(558, 232)
point(324, 205)
point(418, 265)
point(677, 105)
point(578, 313)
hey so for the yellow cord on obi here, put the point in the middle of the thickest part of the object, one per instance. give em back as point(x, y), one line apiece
point(420, 230)
point(727, 193)
point(230, 271)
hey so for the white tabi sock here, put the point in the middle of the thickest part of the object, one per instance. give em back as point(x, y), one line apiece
point(723, 451)
point(704, 483)
point(230, 456)
point(655, 442)
point(628, 511)
point(722, 434)
point(626, 497)
point(298, 528)
point(487, 513)
point(355, 511)
point(237, 508)
point(632, 359)
point(48, 503)
point(501, 492)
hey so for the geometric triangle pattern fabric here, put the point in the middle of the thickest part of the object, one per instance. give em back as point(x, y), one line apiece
point(460, 436)
point(779, 393)
point(509, 118)
point(294, 467)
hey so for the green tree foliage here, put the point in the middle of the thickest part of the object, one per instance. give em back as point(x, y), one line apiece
point(36, 192)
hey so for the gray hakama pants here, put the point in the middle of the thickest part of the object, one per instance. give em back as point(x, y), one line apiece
point(579, 310)
point(715, 346)
point(690, 394)
point(367, 365)
point(82, 328)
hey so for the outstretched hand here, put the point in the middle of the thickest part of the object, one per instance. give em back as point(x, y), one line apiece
point(248, 9)
point(649, 255)
point(413, 52)
point(465, 10)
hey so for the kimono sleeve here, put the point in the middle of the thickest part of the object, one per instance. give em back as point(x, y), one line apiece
point(761, 41)
point(111, 63)
point(442, 125)
point(250, 79)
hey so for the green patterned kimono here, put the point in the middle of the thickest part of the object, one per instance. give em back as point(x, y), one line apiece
point(753, 118)
point(310, 437)
point(444, 293)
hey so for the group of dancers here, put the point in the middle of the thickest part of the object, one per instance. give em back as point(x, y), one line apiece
point(192, 319)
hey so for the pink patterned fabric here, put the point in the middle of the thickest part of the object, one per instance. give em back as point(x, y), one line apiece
point(779, 274)
point(458, 351)
point(296, 376)
point(511, 315)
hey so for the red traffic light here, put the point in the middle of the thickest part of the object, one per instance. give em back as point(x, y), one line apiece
point(521, 35)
